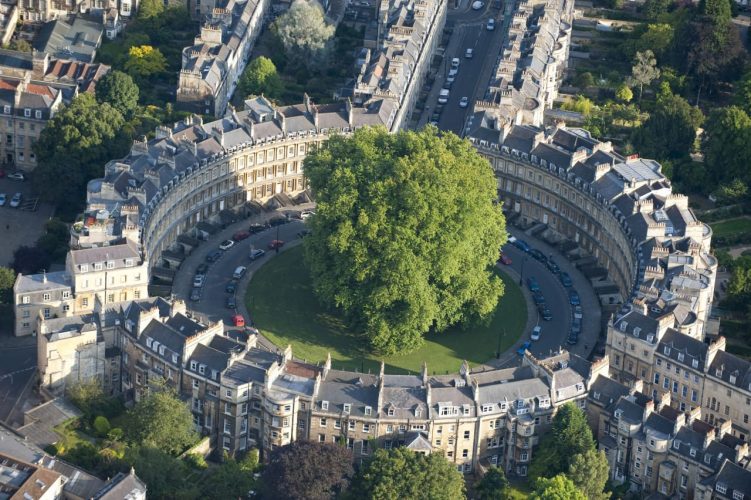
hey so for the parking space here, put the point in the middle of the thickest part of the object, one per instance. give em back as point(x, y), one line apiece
point(21, 225)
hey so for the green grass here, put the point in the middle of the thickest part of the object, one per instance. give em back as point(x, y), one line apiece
point(519, 491)
point(730, 226)
point(281, 302)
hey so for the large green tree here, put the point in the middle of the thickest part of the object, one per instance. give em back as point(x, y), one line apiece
point(306, 36)
point(148, 9)
point(7, 280)
point(569, 435)
point(308, 469)
point(233, 479)
point(644, 70)
point(727, 154)
point(670, 130)
point(260, 77)
point(406, 233)
point(556, 488)
point(401, 473)
point(589, 472)
point(161, 420)
point(145, 61)
point(493, 485)
point(166, 477)
point(75, 145)
point(120, 91)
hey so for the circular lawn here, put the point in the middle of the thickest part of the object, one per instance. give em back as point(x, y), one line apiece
point(281, 302)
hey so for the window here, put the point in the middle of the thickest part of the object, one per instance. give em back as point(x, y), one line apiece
point(227, 427)
point(321, 438)
point(27, 113)
point(228, 393)
point(365, 449)
point(466, 434)
point(684, 480)
point(368, 410)
point(721, 488)
point(324, 405)
point(465, 453)
point(390, 411)
point(195, 384)
point(365, 427)
point(737, 495)
point(347, 407)
point(351, 425)
point(202, 369)
point(323, 422)
point(193, 364)
point(46, 297)
point(26, 299)
point(38, 114)
point(226, 443)
point(337, 424)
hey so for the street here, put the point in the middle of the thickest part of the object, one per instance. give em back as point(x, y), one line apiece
point(17, 365)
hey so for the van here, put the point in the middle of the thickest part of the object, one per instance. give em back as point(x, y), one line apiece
point(443, 97)
point(239, 272)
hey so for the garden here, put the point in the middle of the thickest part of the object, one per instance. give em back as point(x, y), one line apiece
point(282, 304)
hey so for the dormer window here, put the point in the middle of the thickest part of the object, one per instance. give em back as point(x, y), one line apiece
point(390, 411)
point(368, 410)
point(128, 262)
point(324, 405)
point(174, 359)
point(707, 458)
point(680, 356)
point(520, 404)
point(149, 342)
point(695, 363)
point(161, 350)
point(738, 495)
point(155, 346)
point(193, 365)
point(98, 266)
point(38, 114)
point(202, 369)
point(721, 488)
point(27, 113)
point(504, 406)
point(732, 378)
point(6, 110)
point(487, 408)
point(465, 410)
point(347, 407)
point(666, 350)
point(692, 452)
point(718, 372)
point(677, 444)
point(110, 265)
point(418, 412)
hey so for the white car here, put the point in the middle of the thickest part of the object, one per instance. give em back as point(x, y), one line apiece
point(463, 102)
point(15, 202)
point(478, 5)
point(16, 176)
point(455, 63)
point(198, 280)
point(469, 53)
point(491, 24)
point(306, 214)
point(452, 76)
point(226, 245)
point(257, 253)
point(443, 97)
point(536, 331)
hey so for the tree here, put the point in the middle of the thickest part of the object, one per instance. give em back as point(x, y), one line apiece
point(19, 44)
point(145, 61)
point(557, 488)
point(589, 472)
point(743, 93)
point(75, 145)
point(260, 77)
point(732, 192)
point(493, 485)
point(304, 33)
point(656, 37)
point(654, 8)
point(406, 233)
point(581, 105)
point(233, 479)
point(101, 425)
point(569, 435)
point(584, 80)
point(644, 70)
point(7, 280)
point(149, 9)
point(120, 91)
point(308, 469)
point(670, 130)
point(165, 475)
point(726, 151)
point(161, 420)
point(30, 260)
point(624, 93)
point(402, 473)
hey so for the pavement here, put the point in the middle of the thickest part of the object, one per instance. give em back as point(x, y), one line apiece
point(474, 74)
point(17, 373)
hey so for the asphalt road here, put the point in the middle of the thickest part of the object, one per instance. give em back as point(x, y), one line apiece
point(554, 332)
point(17, 365)
point(214, 299)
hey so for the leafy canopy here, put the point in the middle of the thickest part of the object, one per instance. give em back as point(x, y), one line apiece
point(308, 469)
point(726, 148)
point(670, 130)
point(119, 90)
point(589, 472)
point(405, 234)
point(145, 61)
point(493, 485)
point(570, 435)
point(557, 488)
point(161, 420)
point(401, 473)
point(260, 77)
point(7, 280)
point(304, 33)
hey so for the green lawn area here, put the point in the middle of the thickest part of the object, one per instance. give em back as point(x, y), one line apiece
point(730, 226)
point(70, 436)
point(281, 302)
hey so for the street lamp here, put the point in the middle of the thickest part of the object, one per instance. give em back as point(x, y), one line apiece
point(521, 275)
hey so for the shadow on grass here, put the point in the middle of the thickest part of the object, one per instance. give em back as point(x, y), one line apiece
point(280, 298)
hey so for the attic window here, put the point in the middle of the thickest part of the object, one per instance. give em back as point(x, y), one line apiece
point(666, 350)
point(128, 262)
point(202, 369)
point(721, 488)
point(677, 444)
point(38, 114)
point(650, 338)
point(110, 265)
point(368, 410)
point(623, 325)
point(98, 266)
point(692, 452)
point(636, 331)
point(6, 110)
point(149, 341)
point(155, 346)
point(174, 359)
point(347, 407)
point(732, 378)
point(27, 113)
point(193, 365)
point(390, 411)
point(418, 412)
point(695, 363)
point(161, 350)
point(324, 405)
point(84, 268)
point(680, 356)
point(707, 458)
point(737, 495)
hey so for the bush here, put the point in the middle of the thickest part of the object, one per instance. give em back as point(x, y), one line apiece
point(116, 434)
point(101, 426)
point(195, 461)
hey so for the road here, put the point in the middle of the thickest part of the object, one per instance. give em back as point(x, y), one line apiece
point(214, 298)
point(17, 366)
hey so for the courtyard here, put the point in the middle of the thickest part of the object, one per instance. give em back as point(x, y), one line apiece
point(281, 302)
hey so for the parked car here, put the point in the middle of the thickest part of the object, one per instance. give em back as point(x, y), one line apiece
point(553, 266)
point(214, 256)
point(276, 244)
point(455, 62)
point(238, 320)
point(231, 302)
point(257, 228)
point(505, 259)
point(469, 53)
point(257, 253)
point(3, 199)
point(239, 272)
point(446, 86)
point(443, 97)
point(521, 245)
point(536, 331)
point(572, 340)
point(576, 326)
point(15, 202)
point(578, 313)
point(202, 268)
point(199, 280)
point(240, 235)
point(538, 297)
point(532, 284)
point(306, 214)
point(452, 75)
point(195, 294)
point(477, 5)
point(574, 298)
point(231, 286)
point(565, 279)
point(545, 312)
point(278, 221)
point(226, 245)
point(538, 255)
point(526, 345)
point(491, 24)
point(463, 102)
point(17, 176)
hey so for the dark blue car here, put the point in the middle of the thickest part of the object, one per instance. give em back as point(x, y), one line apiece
point(523, 348)
point(565, 279)
point(522, 245)
point(574, 298)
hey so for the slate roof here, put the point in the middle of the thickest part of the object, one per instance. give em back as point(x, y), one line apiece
point(27, 283)
point(683, 349)
point(731, 478)
point(340, 388)
point(78, 40)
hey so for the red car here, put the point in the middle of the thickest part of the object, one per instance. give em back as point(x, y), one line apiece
point(240, 235)
point(275, 244)
point(504, 259)
point(238, 320)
